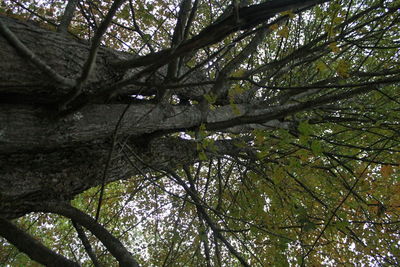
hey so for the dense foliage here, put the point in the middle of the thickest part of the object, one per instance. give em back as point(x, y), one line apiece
point(305, 171)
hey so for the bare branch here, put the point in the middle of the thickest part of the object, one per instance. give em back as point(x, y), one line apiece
point(178, 35)
point(137, 28)
point(95, 43)
point(207, 218)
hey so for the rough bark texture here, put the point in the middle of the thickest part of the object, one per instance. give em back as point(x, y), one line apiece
point(44, 158)
point(35, 177)
point(21, 82)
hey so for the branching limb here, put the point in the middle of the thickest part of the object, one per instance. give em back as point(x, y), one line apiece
point(67, 17)
point(90, 62)
point(250, 17)
point(178, 35)
point(27, 53)
point(32, 247)
point(222, 82)
point(86, 244)
point(110, 242)
point(202, 228)
point(288, 109)
point(137, 28)
point(207, 218)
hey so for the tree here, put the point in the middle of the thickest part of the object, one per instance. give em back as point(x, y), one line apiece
point(199, 133)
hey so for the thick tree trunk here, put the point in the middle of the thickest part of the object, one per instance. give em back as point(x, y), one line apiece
point(44, 158)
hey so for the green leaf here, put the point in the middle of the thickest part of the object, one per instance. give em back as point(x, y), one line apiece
point(305, 128)
point(316, 147)
point(309, 226)
point(211, 98)
point(284, 32)
point(239, 73)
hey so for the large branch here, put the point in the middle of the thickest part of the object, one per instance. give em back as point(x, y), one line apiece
point(63, 173)
point(248, 17)
point(97, 122)
point(29, 55)
point(25, 83)
point(32, 247)
point(110, 242)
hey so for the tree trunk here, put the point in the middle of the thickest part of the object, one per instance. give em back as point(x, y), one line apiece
point(44, 157)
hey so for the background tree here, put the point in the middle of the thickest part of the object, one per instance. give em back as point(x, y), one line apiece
point(199, 133)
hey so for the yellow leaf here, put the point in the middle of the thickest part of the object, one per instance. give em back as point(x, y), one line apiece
point(236, 90)
point(361, 171)
point(211, 98)
point(259, 140)
point(288, 13)
point(321, 66)
point(334, 48)
point(284, 32)
point(274, 27)
point(235, 109)
point(394, 201)
point(338, 20)
point(342, 68)
point(386, 170)
point(239, 73)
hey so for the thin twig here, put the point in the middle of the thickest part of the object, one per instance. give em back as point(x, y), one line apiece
point(103, 181)
point(207, 219)
point(334, 212)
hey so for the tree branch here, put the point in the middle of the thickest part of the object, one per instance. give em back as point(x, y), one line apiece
point(27, 53)
point(249, 17)
point(67, 17)
point(90, 62)
point(137, 28)
point(207, 219)
point(178, 36)
point(86, 243)
point(110, 242)
point(32, 247)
